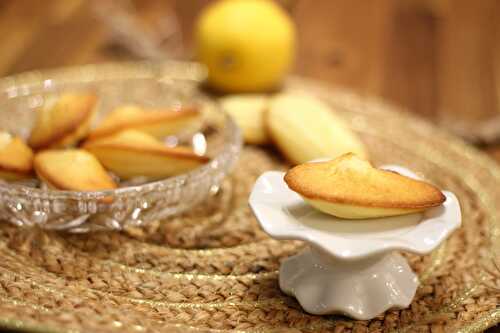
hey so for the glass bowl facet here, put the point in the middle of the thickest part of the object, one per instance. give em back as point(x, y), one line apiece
point(136, 202)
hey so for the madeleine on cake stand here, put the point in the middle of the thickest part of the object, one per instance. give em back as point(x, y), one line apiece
point(349, 187)
point(352, 266)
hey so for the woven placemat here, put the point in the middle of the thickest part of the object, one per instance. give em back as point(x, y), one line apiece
point(214, 269)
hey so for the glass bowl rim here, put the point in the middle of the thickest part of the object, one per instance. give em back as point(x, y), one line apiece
point(124, 70)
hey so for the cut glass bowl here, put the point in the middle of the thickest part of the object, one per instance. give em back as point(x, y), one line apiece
point(135, 203)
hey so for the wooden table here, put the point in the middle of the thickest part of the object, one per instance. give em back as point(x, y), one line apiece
point(437, 58)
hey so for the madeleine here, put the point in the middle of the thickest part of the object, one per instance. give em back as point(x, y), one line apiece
point(156, 122)
point(132, 153)
point(304, 128)
point(63, 121)
point(349, 187)
point(248, 113)
point(72, 169)
point(16, 158)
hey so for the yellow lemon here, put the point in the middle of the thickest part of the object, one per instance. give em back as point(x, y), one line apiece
point(247, 45)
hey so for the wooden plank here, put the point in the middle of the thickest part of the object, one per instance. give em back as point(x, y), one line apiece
point(496, 62)
point(410, 59)
point(72, 40)
point(19, 24)
point(340, 41)
point(465, 78)
point(440, 58)
point(188, 11)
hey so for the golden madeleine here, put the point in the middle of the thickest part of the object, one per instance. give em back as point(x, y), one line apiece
point(349, 187)
point(63, 121)
point(248, 113)
point(132, 153)
point(16, 158)
point(304, 128)
point(72, 169)
point(156, 122)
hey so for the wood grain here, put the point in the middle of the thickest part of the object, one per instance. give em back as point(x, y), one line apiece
point(466, 62)
point(340, 42)
point(410, 62)
point(436, 58)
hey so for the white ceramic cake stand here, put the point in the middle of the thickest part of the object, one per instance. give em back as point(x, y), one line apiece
point(351, 266)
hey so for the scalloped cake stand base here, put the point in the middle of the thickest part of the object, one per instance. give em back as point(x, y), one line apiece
point(360, 289)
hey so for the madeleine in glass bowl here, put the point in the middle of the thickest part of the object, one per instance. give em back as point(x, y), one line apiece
point(110, 146)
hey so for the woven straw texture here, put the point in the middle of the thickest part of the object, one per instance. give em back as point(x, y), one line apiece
point(213, 269)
